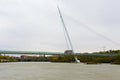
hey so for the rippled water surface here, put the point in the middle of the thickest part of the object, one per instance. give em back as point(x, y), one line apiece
point(58, 71)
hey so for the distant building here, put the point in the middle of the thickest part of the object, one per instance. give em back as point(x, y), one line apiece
point(33, 58)
point(28, 57)
point(68, 52)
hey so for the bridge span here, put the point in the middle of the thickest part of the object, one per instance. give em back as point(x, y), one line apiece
point(31, 53)
point(3, 52)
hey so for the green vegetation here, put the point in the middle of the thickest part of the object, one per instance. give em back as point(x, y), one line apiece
point(109, 52)
point(99, 59)
point(111, 56)
point(33, 58)
point(88, 59)
point(62, 58)
point(7, 59)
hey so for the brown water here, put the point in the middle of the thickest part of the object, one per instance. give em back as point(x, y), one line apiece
point(58, 71)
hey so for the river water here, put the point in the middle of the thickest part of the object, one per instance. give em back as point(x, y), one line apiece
point(58, 71)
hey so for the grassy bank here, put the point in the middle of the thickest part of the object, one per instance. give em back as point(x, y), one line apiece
point(111, 56)
point(88, 59)
point(99, 59)
point(7, 59)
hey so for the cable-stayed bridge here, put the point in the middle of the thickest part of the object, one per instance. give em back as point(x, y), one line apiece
point(5, 52)
point(30, 52)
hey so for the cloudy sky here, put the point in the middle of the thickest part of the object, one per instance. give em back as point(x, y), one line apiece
point(35, 25)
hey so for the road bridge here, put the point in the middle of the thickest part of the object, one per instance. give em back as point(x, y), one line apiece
point(50, 53)
point(31, 53)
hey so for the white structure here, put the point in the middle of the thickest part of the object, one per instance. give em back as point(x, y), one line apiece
point(67, 36)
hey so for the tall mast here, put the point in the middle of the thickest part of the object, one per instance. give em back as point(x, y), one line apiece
point(67, 34)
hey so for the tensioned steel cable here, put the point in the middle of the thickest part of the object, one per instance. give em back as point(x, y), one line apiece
point(93, 31)
point(66, 32)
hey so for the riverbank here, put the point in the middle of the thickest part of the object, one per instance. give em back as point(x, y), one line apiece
point(111, 56)
point(87, 59)
point(7, 59)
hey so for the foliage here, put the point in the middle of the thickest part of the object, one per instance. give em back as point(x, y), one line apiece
point(111, 56)
point(109, 52)
point(7, 59)
point(65, 58)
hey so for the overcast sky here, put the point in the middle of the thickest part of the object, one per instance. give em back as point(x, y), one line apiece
point(35, 25)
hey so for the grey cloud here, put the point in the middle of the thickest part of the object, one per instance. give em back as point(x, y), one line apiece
point(35, 24)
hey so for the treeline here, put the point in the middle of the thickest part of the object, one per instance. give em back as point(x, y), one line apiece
point(111, 56)
point(109, 52)
point(93, 59)
point(62, 58)
point(33, 58)
point(7, 59)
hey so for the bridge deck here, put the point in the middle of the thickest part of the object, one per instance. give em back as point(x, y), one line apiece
point(32, 53)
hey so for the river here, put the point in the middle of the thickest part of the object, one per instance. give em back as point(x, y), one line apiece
point(58, 71)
